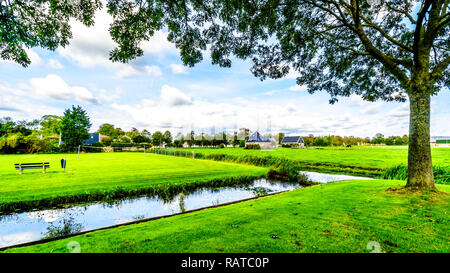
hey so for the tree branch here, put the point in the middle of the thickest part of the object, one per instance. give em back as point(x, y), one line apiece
point(418, 30)
point(437, 71)
point(387, 61)
point(404, 11)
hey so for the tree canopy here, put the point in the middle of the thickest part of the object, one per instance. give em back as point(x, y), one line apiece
point(370, 48)
point(39, 23)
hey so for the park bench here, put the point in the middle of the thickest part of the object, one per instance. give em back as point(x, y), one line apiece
point(41, 165)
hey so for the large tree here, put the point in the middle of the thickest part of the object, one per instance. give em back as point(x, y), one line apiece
point(39, 23)
point(50, 125)
point(390, 50)
point(75, 127)
point(108, 130)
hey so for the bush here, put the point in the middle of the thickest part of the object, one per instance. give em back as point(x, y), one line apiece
point(242, 143)
point(106, 141)
point(441, 174)
point(121, 144)
point(221, 145)
point(294, 145)
point(252, 147)
point(18, 143)
point(98, 144)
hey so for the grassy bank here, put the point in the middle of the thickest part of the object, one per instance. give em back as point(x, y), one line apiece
point(100, 176)
point(335, 217)
point(365, 161)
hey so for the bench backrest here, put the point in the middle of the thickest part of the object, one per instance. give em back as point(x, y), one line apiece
point(46, 164)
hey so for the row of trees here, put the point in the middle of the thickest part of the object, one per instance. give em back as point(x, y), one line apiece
point(353, 141)
point(237, 139)
point(65, 133)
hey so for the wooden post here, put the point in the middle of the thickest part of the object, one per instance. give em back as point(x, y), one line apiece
point(43, 167)
point(20, 168)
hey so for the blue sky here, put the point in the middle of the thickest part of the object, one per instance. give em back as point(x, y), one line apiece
point(155, 92)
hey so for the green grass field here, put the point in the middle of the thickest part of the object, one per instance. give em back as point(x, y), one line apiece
point(380, 157)
point(335, 217)
point(104, 173)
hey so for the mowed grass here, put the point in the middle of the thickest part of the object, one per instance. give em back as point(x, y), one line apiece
point(380, 157)
point(103, 172)
point(336, 217)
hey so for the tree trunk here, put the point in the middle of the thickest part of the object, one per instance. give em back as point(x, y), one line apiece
point(420, 169)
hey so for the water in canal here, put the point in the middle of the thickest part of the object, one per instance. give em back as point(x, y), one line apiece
point(326, 178)
point(31, 226)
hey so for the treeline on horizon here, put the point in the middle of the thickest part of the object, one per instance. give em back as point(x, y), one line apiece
point(43, 135)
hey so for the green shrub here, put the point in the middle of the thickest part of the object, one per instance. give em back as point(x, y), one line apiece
point(106, 140)
point(18, 143)
point(252, 147)
point(441, 174)
point(98, 144)
point(120, 144)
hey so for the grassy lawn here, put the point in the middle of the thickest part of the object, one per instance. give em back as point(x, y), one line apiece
point(364, 156)
point(100, 173)
point(335, 217)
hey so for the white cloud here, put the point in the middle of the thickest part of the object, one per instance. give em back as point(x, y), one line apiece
point(34, 57)
point(128, 70)
point(55, 64)
point(90, 48)
point(298, 88)
point(109, 96)
point(171, 96)
point(53, 86)
point(292, 74)
point(401, 111)
point(178, 69)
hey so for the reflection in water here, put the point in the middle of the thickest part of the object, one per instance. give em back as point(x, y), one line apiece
point(326, 178)
point(181, 200)
point(31, 226)
point(67, 227)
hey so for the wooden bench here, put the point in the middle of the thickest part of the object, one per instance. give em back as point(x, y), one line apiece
point(41, 165)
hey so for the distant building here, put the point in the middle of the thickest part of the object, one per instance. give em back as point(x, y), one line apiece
point(293, 140)
point(263, 142)
point(440, 141)
point(95, 137)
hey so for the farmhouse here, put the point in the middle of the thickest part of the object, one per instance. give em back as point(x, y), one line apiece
point(95, 137)
point(440, 141)
point(264, 142)
point(293, 140)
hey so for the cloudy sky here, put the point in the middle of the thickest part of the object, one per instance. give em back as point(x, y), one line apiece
point(156, 92)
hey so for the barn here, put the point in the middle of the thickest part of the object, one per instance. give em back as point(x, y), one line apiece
point(264, 142)
point(293, 141)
